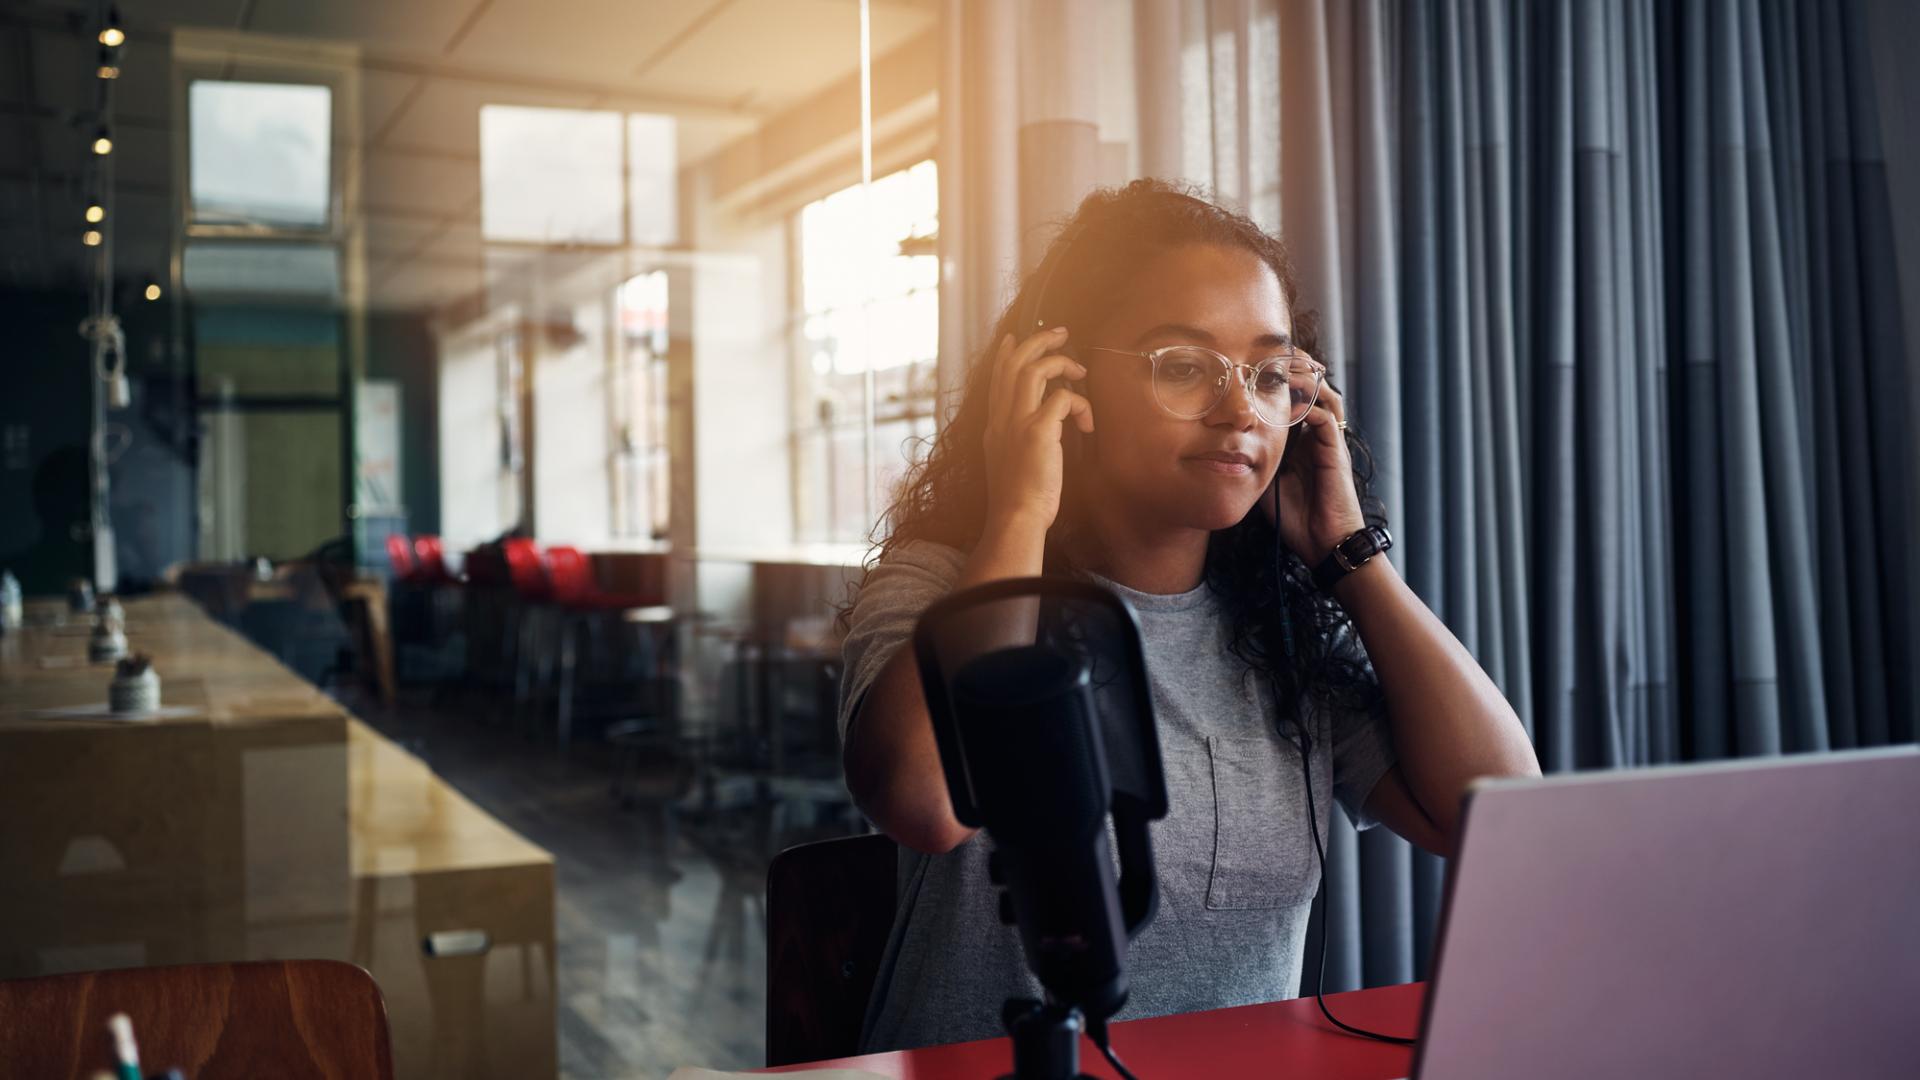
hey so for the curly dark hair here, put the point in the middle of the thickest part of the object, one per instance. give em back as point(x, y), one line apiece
point(1282, 625)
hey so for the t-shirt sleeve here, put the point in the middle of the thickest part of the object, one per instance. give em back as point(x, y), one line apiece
point(1362, 745)
point(890, 601)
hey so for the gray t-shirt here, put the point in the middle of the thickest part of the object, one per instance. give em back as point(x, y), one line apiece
point(1236, 867)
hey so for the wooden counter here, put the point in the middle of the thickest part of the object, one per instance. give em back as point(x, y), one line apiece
point(260, 822)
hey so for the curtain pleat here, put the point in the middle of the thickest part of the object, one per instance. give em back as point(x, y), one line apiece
point(1610, 291)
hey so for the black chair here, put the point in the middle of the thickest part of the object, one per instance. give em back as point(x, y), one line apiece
point(829, 910)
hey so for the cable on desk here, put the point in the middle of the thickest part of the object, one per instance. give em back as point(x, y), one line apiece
point(1098, 1032)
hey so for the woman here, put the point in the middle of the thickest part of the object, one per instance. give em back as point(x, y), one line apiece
point(1134, 442)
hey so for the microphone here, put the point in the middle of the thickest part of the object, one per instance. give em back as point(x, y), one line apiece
point(1040, 779)
point(1041, 710)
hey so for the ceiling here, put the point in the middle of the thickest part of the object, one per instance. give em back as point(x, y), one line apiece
point(724, 68)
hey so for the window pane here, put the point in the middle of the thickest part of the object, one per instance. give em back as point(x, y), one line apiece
point(550, 176)
point(245, 268)
point(261, 153)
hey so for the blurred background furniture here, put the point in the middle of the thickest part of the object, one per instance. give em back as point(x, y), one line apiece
point(308, 1018)
point(829, 912)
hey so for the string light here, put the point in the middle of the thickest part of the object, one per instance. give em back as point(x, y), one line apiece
point(91, 238)
point(153, 292)
point(96, 213)
point(102, 143)
point(110, 33)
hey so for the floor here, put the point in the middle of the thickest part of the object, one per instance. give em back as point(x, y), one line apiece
point(661, 920)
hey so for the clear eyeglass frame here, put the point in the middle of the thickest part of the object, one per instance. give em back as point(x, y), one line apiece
point(1229, 369)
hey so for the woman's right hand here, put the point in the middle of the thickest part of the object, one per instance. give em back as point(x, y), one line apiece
point(1025, 423)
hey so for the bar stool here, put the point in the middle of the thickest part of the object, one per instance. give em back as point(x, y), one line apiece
point(533, 617)
point(588, 608)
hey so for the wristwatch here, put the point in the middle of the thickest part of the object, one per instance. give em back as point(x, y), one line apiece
point(1351, 554)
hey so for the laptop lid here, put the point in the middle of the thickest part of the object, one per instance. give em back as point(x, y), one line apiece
point(1757, 918)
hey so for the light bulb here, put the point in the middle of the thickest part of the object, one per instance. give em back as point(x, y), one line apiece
point(91, 238)
point(108, 71)
point(102, 144)
point(153, 292)
point(96, 213)
point(113, 37)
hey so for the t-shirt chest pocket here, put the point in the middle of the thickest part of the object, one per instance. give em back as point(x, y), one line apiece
point(1262, 857)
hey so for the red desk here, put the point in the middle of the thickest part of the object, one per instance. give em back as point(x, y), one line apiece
point(1284, 1038)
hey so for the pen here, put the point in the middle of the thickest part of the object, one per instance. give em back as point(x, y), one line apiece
point(123, 1047)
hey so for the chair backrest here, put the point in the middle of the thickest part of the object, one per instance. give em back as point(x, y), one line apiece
point(571, 574)
point(400, 557)
point(829, 911)
point(526, 571)
point(291, 1018)
point(430, 557)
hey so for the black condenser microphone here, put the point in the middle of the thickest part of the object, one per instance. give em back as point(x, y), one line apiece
point(1038, 692)
point(1040, 780)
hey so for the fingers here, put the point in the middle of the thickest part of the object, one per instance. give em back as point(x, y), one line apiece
point(1323, 427)
point(1033, 379)
point(1016, 358)
point(1331, 400)
point(1061, 404)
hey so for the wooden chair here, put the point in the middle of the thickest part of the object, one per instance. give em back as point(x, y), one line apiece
point(293, 1019)
point(829, 911)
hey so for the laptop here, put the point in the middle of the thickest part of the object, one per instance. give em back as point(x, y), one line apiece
point(1756, 918)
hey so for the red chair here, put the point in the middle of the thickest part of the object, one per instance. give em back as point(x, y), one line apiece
point(570, 576)
point(430, 561)
point(400, 557)
point(538, 626)
point(526, 570)
point(586, 606)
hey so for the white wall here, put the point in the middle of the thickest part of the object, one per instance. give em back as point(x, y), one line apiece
point(741, 387)
point(478, 500)
point(572, 459)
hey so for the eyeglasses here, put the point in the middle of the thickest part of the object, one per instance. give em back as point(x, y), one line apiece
point(1190, 381)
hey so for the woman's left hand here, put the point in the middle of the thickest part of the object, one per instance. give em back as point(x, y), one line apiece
point(1318, 504)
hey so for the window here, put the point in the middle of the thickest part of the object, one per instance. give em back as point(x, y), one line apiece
point(869, 330)
point(639, 396)
point(261, 154)
point(576, 176)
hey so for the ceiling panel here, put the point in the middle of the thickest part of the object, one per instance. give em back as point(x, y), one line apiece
point(770, 54)
point(382, 95)
point(143, 14)
point(600, 40)
point(409, 182)
point(446, 115)
point(63, 69)
point(407, 26)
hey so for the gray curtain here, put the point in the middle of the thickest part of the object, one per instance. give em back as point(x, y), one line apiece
point(1611, 287)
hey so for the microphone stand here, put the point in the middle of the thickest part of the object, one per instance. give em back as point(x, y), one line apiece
point(1046, 1040)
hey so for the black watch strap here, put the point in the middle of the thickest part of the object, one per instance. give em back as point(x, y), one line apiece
point(1351, 554)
